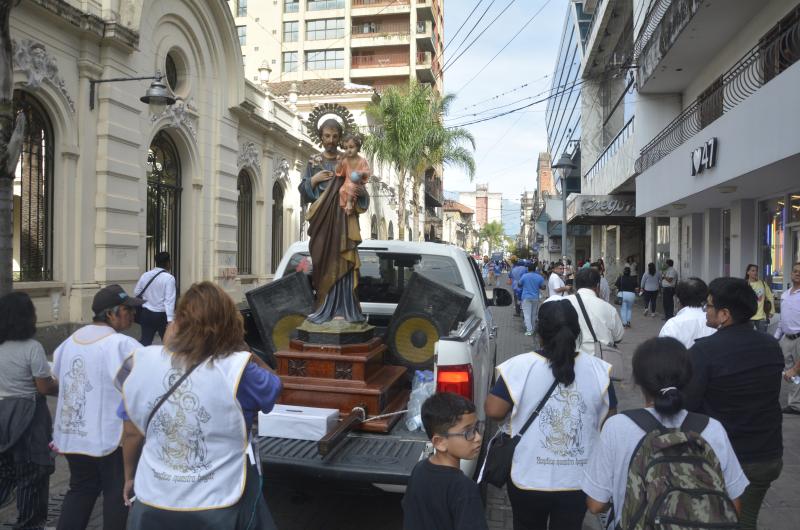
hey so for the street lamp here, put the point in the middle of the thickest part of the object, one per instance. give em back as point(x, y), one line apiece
point(565, 164)
point(158, 95)
point(263, 73)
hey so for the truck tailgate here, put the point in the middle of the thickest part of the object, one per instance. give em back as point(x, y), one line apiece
point(364, 457)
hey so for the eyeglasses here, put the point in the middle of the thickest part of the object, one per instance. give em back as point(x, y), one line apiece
point(469, 434)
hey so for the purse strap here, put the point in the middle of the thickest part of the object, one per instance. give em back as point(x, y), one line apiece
point(538, 409)
point(139, 295)
point(166, 396)
point(586, 316)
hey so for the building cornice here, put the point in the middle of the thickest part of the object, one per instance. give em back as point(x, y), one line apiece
point(109, 32)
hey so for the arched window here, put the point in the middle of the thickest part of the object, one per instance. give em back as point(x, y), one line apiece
point(244, 224)
point(277, 225)
point(391, 231)
point(163, 202)
point(33, 195)
point(373, 228)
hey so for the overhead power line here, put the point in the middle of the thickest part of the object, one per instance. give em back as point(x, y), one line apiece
point(450, 41)
point(465, 50)
point(472, 29)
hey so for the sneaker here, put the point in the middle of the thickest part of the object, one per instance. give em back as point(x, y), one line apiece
point(529, 333)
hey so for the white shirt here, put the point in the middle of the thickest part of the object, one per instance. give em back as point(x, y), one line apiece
point(605, 320)
point(670, 273)
point(555, 282)
point(160, 296)
point(606, 475)
point(687, 326)
point(790, 313)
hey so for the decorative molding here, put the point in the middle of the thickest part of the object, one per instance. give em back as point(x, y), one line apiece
point(297, 367)
point(107, 30)
point(181, 114)
point(32, 59)
point(281, 170)
point(249, 156)
point(343, 371)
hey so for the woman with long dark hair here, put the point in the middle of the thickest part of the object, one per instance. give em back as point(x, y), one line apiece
point(661, 368)
point(626, 290)
point(26, 426)
point(651, 280)
point(766, 301)
point(547, 468)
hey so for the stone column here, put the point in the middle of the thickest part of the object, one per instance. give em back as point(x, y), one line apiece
point(712, 244)
point(743, 236)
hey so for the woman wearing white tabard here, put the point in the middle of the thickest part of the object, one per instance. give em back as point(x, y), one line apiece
point(547, 468)
point(186, 461)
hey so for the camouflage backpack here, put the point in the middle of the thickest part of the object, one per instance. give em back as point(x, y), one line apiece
point(675, 480)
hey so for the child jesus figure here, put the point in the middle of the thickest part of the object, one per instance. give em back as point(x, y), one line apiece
point(353, 168)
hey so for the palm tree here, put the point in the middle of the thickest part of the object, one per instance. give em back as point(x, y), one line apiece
point(493, 233)
point(407, 133)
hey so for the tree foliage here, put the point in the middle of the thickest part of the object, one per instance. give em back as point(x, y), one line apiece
point(493, 233)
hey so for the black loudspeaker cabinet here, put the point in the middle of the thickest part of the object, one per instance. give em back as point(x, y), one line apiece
point(426, 311)
point(279, 307)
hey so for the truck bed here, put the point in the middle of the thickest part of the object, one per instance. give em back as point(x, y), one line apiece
point(363, 457)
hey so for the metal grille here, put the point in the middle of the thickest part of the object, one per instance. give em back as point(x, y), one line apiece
point(244, 225)
point(33, 195)
point(163, 202)
point(277, 225)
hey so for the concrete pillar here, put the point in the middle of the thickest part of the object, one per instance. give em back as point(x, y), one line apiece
point(675, 239)
point(744, 243)
point(691, 263)
point(712, 244)
point(591, 124)
point(649, 240)
point(597, 241)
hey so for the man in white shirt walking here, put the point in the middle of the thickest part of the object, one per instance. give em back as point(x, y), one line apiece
point(669, 281)
point(690, 322)
point(606, 323)
point(157, 288)
point(555, 284)
point(788, 333)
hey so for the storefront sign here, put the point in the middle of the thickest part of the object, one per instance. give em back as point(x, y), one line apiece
point(600, 207)
point(554, 245)
point(704, 157)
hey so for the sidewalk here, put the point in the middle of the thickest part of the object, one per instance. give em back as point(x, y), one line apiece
point(779, 511)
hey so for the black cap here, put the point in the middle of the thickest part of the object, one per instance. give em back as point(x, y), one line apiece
point(112, 296)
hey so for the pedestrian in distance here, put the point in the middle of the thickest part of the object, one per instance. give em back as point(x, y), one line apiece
point(627, 445)
point(605, 289)
point(439, 496)
point(569, 272)
point(606, 323)
point(737, 381)
point(634, 268)
point(669, 281)
point(690, 322)
point(26, 427)
point(570, 391)
point(766, 300)
point(626, 290)
point(519, 270)
point(532, 285)
point(788, 332)
point(650, 282)
point(556, 288)
point(157, 288)
point(87, 429)
point(188, 408)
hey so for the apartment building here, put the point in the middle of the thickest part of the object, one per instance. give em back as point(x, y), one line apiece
point(370, 42)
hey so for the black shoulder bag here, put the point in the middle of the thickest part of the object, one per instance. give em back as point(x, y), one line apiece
point(166, 396)
point(496, 467)
point(137, 315)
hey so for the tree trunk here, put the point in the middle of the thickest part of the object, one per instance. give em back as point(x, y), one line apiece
point(401, 206)
point(7, 153)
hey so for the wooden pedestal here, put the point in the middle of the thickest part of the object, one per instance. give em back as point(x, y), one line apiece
point(343, 376)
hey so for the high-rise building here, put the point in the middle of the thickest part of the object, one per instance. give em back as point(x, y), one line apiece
point(372, 42)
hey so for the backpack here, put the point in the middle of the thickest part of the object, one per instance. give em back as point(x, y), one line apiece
point(675, 480)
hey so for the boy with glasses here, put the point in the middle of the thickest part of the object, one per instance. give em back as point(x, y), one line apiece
point(439, 496)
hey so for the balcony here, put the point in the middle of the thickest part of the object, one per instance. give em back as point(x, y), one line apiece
point(380, 64)
point(425, 10)
point(425, 67)
point(434, 195)
point(380, 7)
point(425, 36)
point(370, 33)
point(679, 38)
point(776, 52)
point(614, 166)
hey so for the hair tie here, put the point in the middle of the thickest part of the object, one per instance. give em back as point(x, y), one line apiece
point(667, 389)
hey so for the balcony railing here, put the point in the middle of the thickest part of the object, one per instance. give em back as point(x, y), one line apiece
point(765, 61)
point(379, 60)
point(611, 149)
point(666, 21)
point(375, 29)
point(377, 3)
point(651, 22)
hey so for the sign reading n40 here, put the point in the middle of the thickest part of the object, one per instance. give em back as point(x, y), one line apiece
point(704, 157)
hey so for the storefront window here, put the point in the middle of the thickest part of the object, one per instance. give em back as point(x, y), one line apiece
point(771, 238)
point(794, 208)
point(662, 242)
point(726, 242)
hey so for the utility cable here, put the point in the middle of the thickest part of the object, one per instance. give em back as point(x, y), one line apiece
point(465, 50)
point(471, 30)
point(461, 26)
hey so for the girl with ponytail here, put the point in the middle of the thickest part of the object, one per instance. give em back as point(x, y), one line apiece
point(570, 391)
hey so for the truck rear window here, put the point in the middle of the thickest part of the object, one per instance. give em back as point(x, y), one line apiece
point(385, 274)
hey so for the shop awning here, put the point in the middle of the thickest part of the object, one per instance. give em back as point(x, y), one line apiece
point(602, 210)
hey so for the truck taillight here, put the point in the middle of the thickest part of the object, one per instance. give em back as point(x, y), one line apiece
point(456, 378)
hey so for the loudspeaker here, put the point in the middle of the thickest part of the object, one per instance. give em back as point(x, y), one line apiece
point(427, 311)
point(279, 307)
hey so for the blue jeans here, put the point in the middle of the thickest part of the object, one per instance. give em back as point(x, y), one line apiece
point(627, 306)
point(530, 311)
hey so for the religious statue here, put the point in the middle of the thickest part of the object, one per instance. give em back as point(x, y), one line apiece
point(333, 231)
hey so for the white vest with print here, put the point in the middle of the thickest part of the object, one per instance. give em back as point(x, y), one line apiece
point(86, 419)
point(194, 452)
point(554, 450)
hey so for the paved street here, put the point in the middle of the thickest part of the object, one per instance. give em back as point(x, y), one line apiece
point(328, 506)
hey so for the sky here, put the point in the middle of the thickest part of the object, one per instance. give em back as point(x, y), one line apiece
point(507, 147)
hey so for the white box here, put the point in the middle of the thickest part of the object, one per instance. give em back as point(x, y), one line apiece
point(299, 423)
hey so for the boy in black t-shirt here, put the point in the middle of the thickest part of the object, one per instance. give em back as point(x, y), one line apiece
point(439, 496)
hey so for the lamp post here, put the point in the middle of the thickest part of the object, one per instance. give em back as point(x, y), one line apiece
point(263, 73)
point(565, 164)
point(157, 95)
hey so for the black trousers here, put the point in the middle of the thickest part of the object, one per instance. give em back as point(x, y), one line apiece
point(669, 301)
point(31, 482)
point(543, 510)
point(152, 322)
point(88, 477)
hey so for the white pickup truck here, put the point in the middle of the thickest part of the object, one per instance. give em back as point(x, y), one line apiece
point(466, 356)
